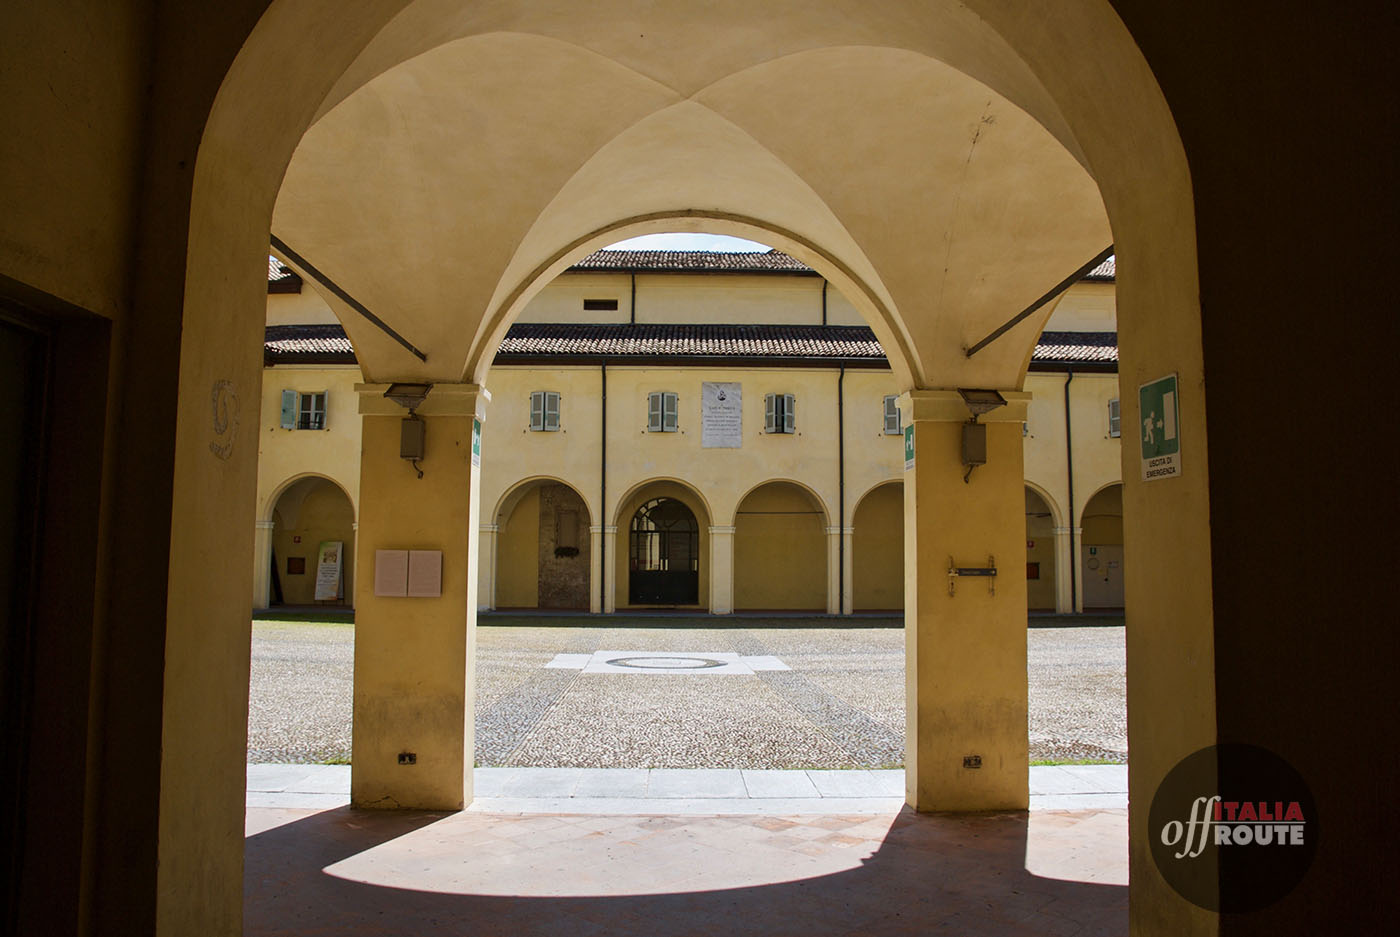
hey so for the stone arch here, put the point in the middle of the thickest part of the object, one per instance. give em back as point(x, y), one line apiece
point(266, 509)
point(306, 511)
point(628, 505)
point(1042, 550)
point(542, 550)
point(877, 546)
point(781, 556)
point(1101, 549)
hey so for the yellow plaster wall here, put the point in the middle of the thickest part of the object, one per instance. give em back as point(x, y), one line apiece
point(305, 308)
point(74, 95)
point(878, 543)
point(1103, 516)
point(1097, 456)
point(1085, 307)
point(780, 550)
point(287, 454)
point(517, 555)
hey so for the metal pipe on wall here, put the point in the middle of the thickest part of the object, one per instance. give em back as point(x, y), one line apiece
point(840, 484)
point(1069, 469)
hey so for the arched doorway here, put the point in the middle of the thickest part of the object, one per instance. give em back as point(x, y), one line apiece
point(663, 550)
point(780, 553)
point(1102, 550)
point(313, 545)
point(1041, 593)
point(542, 553)
point(878, 545)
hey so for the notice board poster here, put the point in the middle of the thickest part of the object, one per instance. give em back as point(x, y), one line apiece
point(721, 415)
point(328, 562)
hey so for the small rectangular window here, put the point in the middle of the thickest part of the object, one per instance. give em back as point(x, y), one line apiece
point(544, 411)
point(662, 412)
point(600, 305)
point(1115, 426)
point(779, 413)
point(310, 409)
point(893, 426)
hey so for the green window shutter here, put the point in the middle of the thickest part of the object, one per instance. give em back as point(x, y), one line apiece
point(669, 412)
point(289, 409)
point(770, 417)
point(789, 413)
point(1115, 426)
point(551, 411)
point(892, 427)
point(537, 410)
point(654, 421)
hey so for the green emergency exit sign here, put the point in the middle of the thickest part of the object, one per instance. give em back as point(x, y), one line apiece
point(1158, 431)
point(909, 447)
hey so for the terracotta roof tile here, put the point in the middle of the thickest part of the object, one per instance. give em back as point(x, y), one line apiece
point(307, 344)
point(1076, 346)
point(327, 344)
point(781, 341)
point(770, 261)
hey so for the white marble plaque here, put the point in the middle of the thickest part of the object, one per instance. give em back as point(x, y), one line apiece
point(721, 415)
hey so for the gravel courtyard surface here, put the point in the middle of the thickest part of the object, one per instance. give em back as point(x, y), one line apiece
point(841, 705)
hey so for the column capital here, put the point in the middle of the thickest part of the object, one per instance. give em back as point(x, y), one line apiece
point(832, 531)
point(489, 528)
point(265, 525)
point(722, 530)
point(947, 406)
point(442, 400)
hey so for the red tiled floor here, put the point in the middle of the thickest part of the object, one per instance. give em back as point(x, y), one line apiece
point(356, 872)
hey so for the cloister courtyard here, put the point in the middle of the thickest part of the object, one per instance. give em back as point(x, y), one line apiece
point(783, 693)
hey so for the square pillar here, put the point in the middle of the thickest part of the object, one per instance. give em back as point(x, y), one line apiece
point(414, 657)
point(486, 567)
point(595, 569)
point(1064, 563)
point(262, 563)
point(609, 552)
point(721, 570)
point(966, 746)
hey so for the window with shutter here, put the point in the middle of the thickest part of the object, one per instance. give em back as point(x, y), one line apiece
point(291, 403)
point(654, 413)
point(1115, 426)
point(311, 412)
point(537, 410)
point(893, 426)
point(551, 411)
point(779, 413)
point(670, 412)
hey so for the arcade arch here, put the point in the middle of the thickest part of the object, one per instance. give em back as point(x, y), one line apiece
point(1042, 556)
point(1101, 105)
point(663, 553)
point(541, 550)
point(304, 513)
point(1101, 549)
point(780, 549)
point(878, 544)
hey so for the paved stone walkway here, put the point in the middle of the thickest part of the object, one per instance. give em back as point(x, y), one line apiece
point(357, 872)
point(686, 792)
point(814, 697)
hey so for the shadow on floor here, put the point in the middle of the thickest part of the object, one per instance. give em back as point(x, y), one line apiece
point(954, 874)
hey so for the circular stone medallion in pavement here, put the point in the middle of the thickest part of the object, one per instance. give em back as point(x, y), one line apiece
point(666, 663)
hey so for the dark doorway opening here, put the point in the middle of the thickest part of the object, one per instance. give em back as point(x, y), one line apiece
point(664, 549)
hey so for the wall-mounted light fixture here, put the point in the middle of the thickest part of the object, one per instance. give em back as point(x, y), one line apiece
point(413, 432)
point(974, 435)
